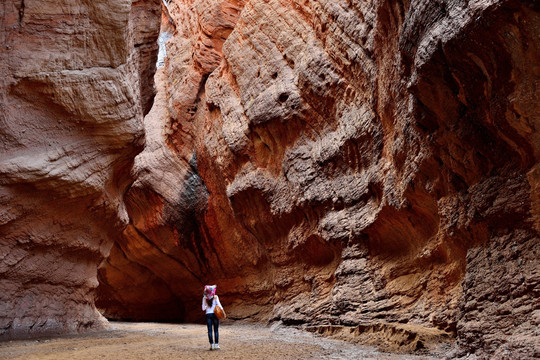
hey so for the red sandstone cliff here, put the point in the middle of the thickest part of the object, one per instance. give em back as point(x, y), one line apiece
point(367, 168)
point(354, 166)
point(76, 81)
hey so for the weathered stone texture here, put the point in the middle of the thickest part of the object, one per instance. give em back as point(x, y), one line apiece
point(76, 78)
point(346, 163)
point(362, 167)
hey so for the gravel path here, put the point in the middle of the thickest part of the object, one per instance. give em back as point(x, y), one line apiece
point(126, 341)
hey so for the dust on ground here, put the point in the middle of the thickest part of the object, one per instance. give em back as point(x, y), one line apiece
point(126, 341)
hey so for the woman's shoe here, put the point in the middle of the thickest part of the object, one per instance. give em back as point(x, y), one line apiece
point(211, 346)
point(216, 347)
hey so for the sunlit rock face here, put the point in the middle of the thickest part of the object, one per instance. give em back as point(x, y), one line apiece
point(76, 81)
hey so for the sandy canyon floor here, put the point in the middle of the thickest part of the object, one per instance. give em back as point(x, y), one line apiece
point(189, 341)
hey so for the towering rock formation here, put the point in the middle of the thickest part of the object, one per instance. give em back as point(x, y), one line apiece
point(357, 165)
point(368, 168)
point(76, 78)
point(167, 252)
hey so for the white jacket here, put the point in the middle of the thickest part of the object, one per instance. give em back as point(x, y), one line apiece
point(210, 309)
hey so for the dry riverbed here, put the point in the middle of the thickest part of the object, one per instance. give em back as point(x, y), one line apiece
point(126, 341)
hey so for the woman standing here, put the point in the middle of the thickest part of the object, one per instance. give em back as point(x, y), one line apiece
point(209, 303)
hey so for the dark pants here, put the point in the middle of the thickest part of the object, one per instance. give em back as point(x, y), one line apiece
point(211, 319)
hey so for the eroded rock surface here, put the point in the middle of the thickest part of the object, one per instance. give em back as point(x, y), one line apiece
point(345, 163)
point(368, 168)
point(76, 78)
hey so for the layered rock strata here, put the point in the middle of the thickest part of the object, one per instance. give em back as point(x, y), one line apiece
point(368, 168)
point(76, 80)
point(344, 163)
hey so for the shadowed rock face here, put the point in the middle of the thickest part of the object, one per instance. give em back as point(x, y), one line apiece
point(347, 163)
point(76, 81)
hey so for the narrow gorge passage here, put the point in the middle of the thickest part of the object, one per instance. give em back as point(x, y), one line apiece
point(363, 170)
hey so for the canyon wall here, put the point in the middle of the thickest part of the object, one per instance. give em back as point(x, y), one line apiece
point(361, 167)
point(76, 78)
point(366, 168)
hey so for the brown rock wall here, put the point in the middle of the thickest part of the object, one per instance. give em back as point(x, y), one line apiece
point(487, 148)
point(167, 201)
point(367, 168)
point(359, 164)
point(76, 78)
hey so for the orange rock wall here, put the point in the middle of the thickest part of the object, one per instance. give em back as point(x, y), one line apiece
point(76, 81)
point(345, 163)
point(369, 167)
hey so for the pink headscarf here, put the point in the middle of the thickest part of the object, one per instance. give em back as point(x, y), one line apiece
point(209, 291)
